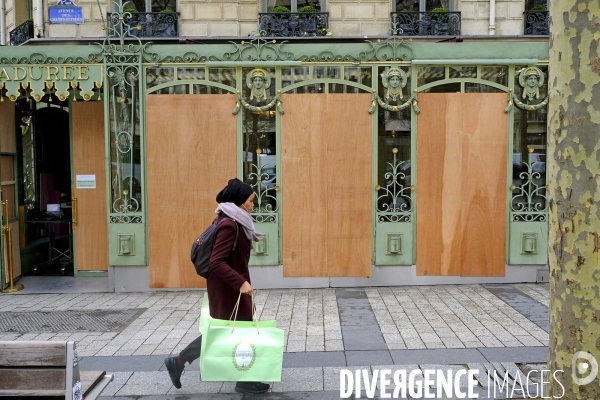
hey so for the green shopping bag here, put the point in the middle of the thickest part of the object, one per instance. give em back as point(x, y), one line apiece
point(205, 311)
point(240, 350)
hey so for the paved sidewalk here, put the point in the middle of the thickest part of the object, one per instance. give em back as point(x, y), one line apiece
point(489, 327)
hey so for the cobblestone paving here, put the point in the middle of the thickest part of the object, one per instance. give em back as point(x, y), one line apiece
point(309, 318)
point(451, 316)
point(419, 317)
point(537, 291)
point(171, 320)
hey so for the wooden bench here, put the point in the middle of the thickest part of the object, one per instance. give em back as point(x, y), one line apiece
point(39, 368)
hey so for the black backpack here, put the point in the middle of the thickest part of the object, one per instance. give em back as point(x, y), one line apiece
point(202, 247)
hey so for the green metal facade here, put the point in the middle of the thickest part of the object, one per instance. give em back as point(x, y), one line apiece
point(134, 70)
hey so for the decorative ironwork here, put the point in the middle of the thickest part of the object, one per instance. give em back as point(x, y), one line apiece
point(514, 100)
point(529, 200)
point(259, 49)
point(41, 59)
point(294, 24)
point(531, 80)
point(258, 81)
point(146, 24)
point(126, 219)
point(426, 23)
point(412, 101)
point(28, 145)
point(123, 66)
point(536, 23)
point(258, 109)
point(123, 82)
point(265, 189)
point(21, 33)
point(395, 204)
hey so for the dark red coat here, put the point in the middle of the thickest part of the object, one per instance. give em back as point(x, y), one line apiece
point(229, 270)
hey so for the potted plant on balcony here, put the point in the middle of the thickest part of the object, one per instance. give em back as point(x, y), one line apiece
point(439, 21)
point(307, 9)
point(538, 7)
point(281, 9)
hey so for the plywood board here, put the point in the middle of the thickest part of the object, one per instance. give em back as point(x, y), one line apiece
point(6, 168)
point(90, 233)
point(462, 149)
point(348, 132)
point(190, 159)
point(8, 136)
point(304, 185)
point(8, 144)
point(326, 185)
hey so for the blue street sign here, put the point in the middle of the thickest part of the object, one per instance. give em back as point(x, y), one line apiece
point(66, 15)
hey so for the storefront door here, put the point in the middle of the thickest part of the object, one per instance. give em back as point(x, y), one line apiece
point(89, 187)
point(8, 150)
point(191, 154)
point(327, 152)
point(462, 145)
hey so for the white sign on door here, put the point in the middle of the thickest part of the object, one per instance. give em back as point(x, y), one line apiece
point(85, 181)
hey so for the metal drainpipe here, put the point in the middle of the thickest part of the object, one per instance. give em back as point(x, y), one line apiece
point(2, 23)
point(39, 17)
point(492, 27)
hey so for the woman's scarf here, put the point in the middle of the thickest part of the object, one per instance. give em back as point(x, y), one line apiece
point(242, 217)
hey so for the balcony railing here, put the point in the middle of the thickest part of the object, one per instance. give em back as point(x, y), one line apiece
point(21, 33)
point(147, 24)
point(536, 23)
point(294, 24)
point(426, 23)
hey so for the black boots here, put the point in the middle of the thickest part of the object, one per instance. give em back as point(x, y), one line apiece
point(174, 371)
point(251, 387)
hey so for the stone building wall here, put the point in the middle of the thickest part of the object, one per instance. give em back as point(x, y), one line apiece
point(9, 17)
point(217, 17)
point(476, 17)
point(230, 18)
point(15, 14)
point(92, 17)
point(359, 17)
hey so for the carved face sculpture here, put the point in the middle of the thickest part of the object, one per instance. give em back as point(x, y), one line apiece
point(258, 83)
point(394, 82)
point(532, 81)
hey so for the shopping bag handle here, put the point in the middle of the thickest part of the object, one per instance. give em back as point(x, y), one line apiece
point(236, 308)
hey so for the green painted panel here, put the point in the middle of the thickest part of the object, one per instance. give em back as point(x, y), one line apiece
point(270, 246)
point(528, 243)
point(283, 52)
point(388, 236)
point(127, 244)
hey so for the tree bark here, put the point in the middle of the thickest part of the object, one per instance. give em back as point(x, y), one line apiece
point(574, 193)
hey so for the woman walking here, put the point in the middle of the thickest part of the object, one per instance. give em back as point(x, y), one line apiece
point(229, 274)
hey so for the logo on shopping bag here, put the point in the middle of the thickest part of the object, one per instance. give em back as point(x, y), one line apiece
point(243, 356)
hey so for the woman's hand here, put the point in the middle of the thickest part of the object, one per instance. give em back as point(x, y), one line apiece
point(246, 288)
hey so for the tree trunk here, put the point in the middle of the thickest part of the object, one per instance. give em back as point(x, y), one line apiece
point(574, 192)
